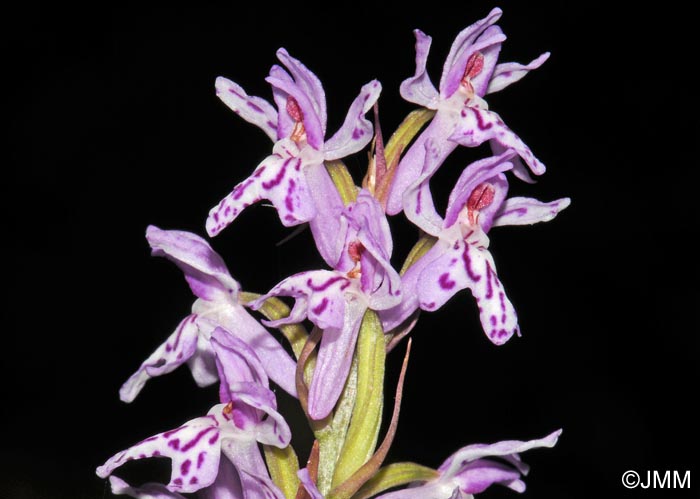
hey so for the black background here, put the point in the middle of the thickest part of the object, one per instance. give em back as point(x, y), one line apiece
point(115, 125)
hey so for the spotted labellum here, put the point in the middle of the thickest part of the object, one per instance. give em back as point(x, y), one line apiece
point(321, 337)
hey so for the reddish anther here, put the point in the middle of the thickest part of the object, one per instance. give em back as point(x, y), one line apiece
point(355, 250)
point(480, 198)
point(294, 110)
point(474, 65)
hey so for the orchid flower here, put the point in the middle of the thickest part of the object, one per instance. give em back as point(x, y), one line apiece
point(336, 300)
point(463, 118)
point(469, 471)
point(217, 305)
point(293, 178)
point(247, 416)
point(460, 258)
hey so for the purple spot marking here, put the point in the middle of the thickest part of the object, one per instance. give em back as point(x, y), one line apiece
point(430, 305)
point(213, 439)
point(445, 282)
point(193, 480)
point(502, 297)
point(196, 439)
point(278, 178)
point(200, 459)
point(502, 333)
point(170, 433)
point(320, 307)
point(231, 90)
point(168, 348)
point(185, 467)
point(175, 444)
point(503, 318)
point(494, 320)
point(357, 133)
point(289, 200)
point(272, 125)
point(178, 482)
point(468, 265)
point(489, 286)
point(480, 121)
point(142, 456)
point(254, 107)
point(518, 211)
point(240, 188)
point(156, 453)
point(418, 201)
point(325, 285)
point(259, 171)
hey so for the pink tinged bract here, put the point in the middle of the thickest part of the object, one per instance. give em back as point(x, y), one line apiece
point(300, 148)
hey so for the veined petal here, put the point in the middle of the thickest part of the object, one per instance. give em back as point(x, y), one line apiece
point(285, 123)
point(194, 448)
point(272, 429)
point(280, 180)
point(334, 360)
point(418, 200)
point(312, 123)
point(236, 362)
point(226, 486)
point(453, 71)
point(204, 269)
point(479, 475)
point(418, 88)
point(319, 297)
point(356, 131)
point(527, 211)
point(409, 303)
point(278, 365)
point(412, 163)
point(510, 72)
point(508, 448)
point(146, 491)
point(464, 265)
point(325, 226)
point(477, 126)
point(489, 45)
point(488, 170)
point(255, 479)
point(309, 83)
point(177, 349)
point(521, 171)
point(254, 110)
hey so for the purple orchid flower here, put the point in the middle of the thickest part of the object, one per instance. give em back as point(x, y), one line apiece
point(463, 118)
point(217, 305)
point(469, 471)
point(460, 258)
point(293, 178)
point(336, 300)
point(247, 416)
